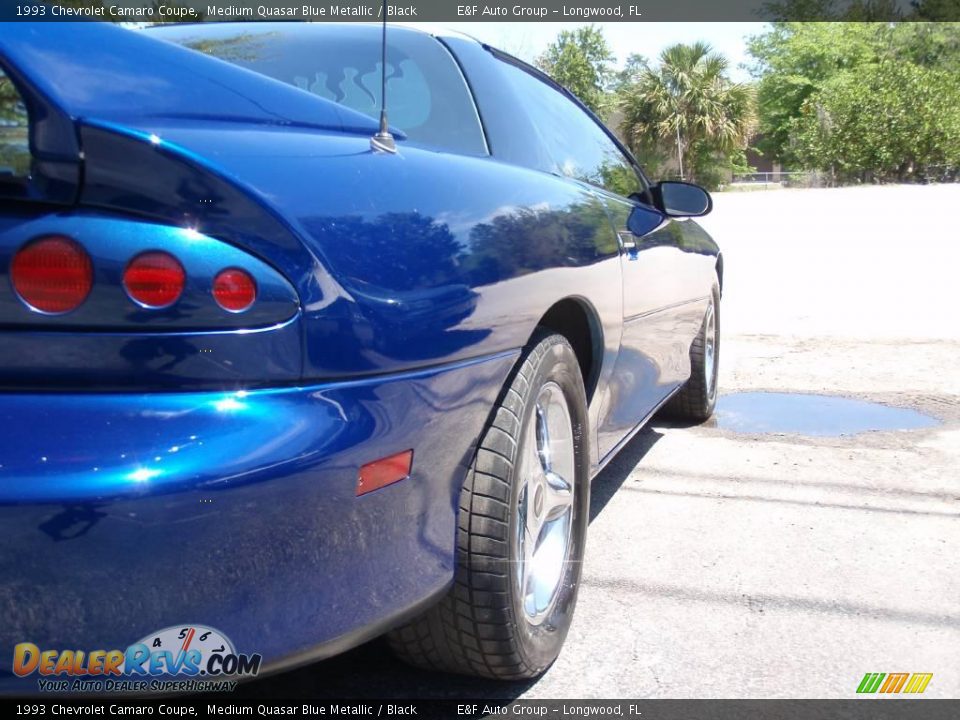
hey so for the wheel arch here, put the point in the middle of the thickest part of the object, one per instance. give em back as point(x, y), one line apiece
point(576, 320)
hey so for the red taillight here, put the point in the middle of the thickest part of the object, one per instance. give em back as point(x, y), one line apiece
point(53, 275)
point(384, 471)
point(234, 290)
point(154, 279)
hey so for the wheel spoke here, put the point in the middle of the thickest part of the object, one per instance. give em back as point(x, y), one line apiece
point(543, 438)
point(528, 575)
point(557, 496)
point(534, 457)
point(535, 516)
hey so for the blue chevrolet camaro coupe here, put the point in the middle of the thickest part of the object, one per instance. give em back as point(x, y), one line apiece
point(263, 376)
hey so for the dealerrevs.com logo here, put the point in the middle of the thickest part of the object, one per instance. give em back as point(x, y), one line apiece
point(182, 658)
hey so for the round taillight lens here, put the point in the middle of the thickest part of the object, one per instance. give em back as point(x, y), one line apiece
point(154, 279)
point(234, 290)
point(53, 275)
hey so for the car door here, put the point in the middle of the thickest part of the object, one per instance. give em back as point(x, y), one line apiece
point(664, 299)
point(652, 338)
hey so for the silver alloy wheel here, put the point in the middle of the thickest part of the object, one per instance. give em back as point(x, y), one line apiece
point(545, 509)
point(709, 349)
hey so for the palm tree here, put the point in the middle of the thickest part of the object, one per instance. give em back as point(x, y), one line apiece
point(687, 101)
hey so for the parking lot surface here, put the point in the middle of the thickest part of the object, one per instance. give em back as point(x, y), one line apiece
point(783, 549)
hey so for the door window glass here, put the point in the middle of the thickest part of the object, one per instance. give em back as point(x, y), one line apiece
point(577, 145)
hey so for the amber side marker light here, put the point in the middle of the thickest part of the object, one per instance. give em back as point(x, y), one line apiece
point(52, 275)
point(384, 471)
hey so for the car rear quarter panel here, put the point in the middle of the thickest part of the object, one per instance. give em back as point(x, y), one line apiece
point(421, 258)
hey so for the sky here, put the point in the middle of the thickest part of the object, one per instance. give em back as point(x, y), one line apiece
point(528, 40)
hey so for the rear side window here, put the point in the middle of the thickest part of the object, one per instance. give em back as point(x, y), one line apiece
point(427, 97)
point(578, 147)
point(14, 136)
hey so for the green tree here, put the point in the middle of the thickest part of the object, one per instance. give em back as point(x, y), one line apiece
point(581, 61)
point(895, 121)
point(688, 103)
point(793, 60)
point(823, 10)
point(931, 44)
point(861, 10)
point(797, 60)
point(632, 69)
point(935, 9)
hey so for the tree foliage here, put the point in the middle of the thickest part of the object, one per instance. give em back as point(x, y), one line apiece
point(863, 100)
point(581, 61)
point(825, 10)
point(687, 103)
point(935, 9)
point(633, 68)
point(895, 121)
point(794, 60)
point(14, 151)
point(860, 10)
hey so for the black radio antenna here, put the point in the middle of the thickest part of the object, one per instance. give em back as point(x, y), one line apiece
point(383, 141)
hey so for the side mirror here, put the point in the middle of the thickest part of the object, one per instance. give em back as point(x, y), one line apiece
point(680, 199)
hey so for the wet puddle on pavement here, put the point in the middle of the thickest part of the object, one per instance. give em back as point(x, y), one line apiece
point(819, 415)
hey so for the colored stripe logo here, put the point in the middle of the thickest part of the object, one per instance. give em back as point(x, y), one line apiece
point(892, 683)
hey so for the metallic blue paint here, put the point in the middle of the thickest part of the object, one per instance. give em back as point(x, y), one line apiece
point(125, 513)
point(43, 361)
point(403, 289)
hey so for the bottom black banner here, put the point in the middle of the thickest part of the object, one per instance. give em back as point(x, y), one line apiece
point(872, 709)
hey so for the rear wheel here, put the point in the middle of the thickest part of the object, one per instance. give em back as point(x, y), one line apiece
point(697, 399)
point(521, 531)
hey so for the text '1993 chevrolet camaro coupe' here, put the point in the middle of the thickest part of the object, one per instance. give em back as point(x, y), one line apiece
point(259, 374)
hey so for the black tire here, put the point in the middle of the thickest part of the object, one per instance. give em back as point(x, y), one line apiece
point(697, 399)
point(481, 628)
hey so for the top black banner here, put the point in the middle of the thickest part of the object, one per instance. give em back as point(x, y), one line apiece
point(455, 11)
